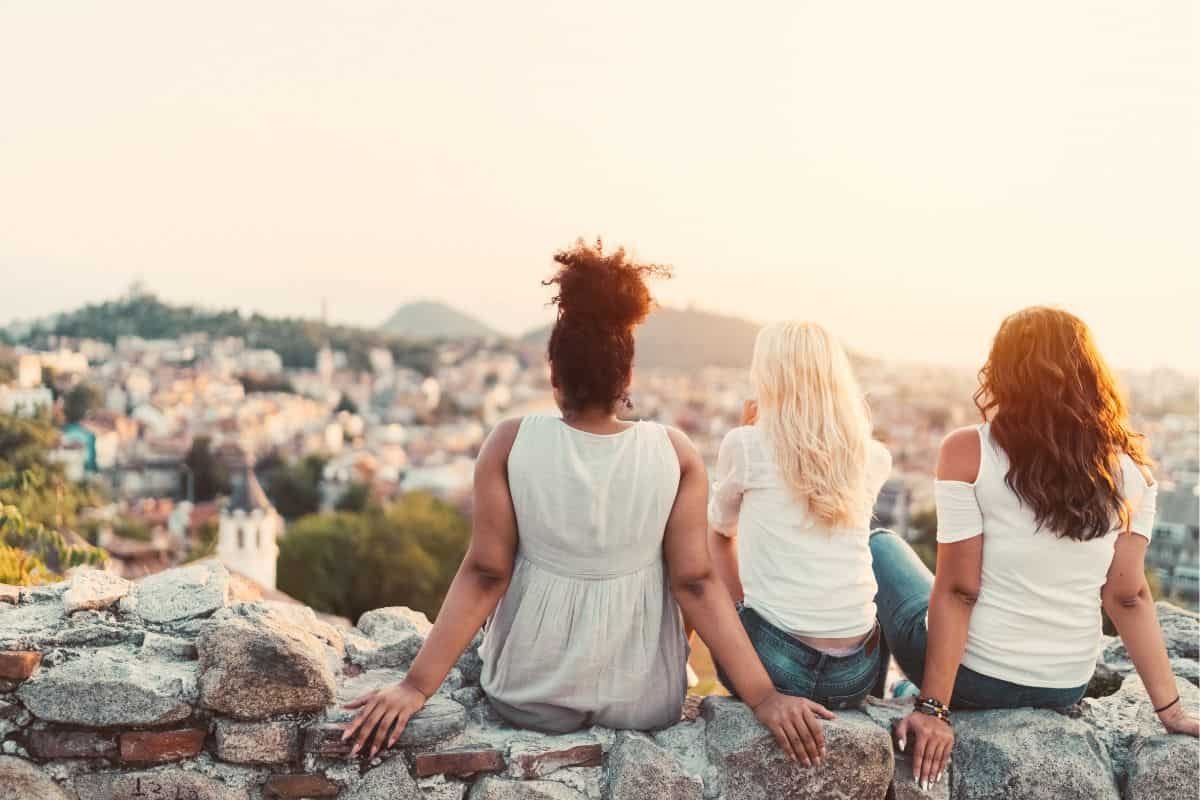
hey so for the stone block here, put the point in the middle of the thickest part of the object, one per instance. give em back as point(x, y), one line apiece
point(256, 742)
point(54, 743)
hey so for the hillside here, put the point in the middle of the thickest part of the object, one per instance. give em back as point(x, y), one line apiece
point(297, 340)
point(428, 319)
point(685, 339)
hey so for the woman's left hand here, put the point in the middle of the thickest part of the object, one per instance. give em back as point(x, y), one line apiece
point(1176, 719)
point(380, 712)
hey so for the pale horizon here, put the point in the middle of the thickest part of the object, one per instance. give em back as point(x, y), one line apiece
point(907, 178)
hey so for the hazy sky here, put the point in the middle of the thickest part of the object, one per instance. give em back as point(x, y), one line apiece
point(905, 172)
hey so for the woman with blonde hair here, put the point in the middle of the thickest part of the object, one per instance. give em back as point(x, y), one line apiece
point(789, 518)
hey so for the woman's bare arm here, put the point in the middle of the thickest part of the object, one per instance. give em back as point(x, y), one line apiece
point(723, 550)
point(1129, 605)
point(481, 581)
point(955, 589)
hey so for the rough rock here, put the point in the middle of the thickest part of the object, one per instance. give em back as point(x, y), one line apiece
point(167, 783)
point(389, 781)
point(1181, 631)
point(20, 780)
point(1163, 766)
point(255, 664)
point(157, 645)
point(1008, 753)
point(23, 627)
point(394, 637)
point(93, 589)
point(306, 618)
point(638, 768)
point(754, 768)
point(1126, 720)
point(111, 688)
point(182, 593)
point(500, 789)
point(256, 742)
point(470, 663)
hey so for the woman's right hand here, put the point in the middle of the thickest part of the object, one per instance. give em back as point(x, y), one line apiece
point(796, 724)
point(1176, 719)
point(932, 743)
point(382, 715)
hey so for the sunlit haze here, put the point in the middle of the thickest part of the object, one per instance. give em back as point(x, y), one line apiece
point(905, 173)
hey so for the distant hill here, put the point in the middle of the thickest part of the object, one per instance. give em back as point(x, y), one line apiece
point(685, 339)
point(428, 319)
point(296, 340)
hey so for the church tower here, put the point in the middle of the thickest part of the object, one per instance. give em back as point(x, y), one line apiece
point(248, 529)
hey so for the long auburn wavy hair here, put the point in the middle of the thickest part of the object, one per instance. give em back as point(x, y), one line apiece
point(815, 419)
point(1055, 409)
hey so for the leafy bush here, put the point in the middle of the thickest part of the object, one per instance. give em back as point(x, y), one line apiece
point(403, 554)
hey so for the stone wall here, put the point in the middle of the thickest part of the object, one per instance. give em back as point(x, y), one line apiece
point(172, 689)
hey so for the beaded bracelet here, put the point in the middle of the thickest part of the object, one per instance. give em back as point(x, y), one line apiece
point(933, 708)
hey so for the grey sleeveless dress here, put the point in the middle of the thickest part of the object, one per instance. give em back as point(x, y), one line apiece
point(588, 632)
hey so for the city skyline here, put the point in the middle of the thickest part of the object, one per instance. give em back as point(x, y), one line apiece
point(904, 178)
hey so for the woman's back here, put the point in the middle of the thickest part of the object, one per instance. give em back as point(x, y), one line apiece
point(588, 619)
point(591, 505)
point(1037, 619)
point(800, 574)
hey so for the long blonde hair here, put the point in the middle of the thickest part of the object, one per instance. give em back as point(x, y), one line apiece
point(815, 418)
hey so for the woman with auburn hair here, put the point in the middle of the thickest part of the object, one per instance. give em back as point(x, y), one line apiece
point(790, 517)
point(588, 541)
point(1044, 514)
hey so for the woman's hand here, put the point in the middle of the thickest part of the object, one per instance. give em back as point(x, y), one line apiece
point(796, 724)
point(749, 412)
point(381, 711)
point(1176, 719)
point(933, 741)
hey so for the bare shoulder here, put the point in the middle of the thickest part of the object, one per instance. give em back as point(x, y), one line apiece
point(958, 458)
point(499, 442)
point(689, 456)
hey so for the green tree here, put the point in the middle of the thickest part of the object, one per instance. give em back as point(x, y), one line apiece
point(30, 482)
point(295, 489)
point(209, 476)
point(356, 498)
point(79, 401)
point(403, 554)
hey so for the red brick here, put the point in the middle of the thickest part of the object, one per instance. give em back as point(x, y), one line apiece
point(156, 747)
point(458, 762)
point(72, 744)
point(536, 762)
point(326, 740)
point(17, 665)
point(10, 594)
point(294, 787)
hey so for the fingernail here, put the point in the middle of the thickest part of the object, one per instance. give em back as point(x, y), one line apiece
point(901, 745)
point(939, 777)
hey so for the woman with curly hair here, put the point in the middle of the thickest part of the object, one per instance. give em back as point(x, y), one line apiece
point(588, 542)
point(1044, 514)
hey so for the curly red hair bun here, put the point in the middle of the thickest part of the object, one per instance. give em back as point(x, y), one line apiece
point(601, 298)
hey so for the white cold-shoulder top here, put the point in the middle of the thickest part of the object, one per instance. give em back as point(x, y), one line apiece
point(1037, 619)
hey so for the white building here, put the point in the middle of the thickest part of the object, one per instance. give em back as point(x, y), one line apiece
point(248, 530)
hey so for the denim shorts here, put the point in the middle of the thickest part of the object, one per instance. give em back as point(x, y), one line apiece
point(797, 669)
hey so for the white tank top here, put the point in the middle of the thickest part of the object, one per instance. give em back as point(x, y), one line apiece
point(1037, 620)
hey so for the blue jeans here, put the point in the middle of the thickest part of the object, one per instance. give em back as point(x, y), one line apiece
point(802, 671)
point(902, 602)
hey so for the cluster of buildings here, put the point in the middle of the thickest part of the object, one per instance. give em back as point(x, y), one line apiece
point(395, 430)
